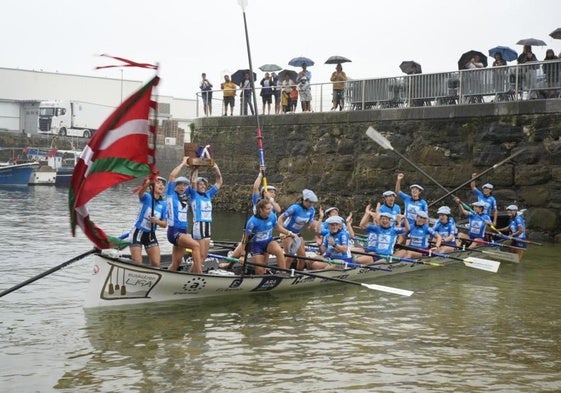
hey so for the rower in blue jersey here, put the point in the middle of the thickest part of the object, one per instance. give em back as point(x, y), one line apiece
point(382, 234)
point(322, 227)
point(295, 218)
point(151, 215)
point(335, 245)
point(487, 198)
point(446, 227)
point(259, 232)
point(412, 203)
point(419, 237)
point(177, 221)
point(516, 228)
point(389, 205)
point(477, 223)
point(201, 206)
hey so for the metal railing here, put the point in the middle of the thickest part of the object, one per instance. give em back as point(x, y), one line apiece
point(537, 80)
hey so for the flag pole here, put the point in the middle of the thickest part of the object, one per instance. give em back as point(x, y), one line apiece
point(243, 5)
point(154, 141)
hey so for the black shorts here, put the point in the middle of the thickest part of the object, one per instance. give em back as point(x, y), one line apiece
point(267, 99)
point(146, 239)
point(229, 101)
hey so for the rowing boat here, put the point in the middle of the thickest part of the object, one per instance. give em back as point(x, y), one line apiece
point(118, 281)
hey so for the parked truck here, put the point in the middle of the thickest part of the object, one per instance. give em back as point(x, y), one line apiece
point(71, 118)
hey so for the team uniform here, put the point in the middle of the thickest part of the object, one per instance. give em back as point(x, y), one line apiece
point(394, 211)
point(489, 201)
point(297, 216)
point(446, 230)
point(477, 225)
point(382, 240)
point(341, 237)
point(177, 213)
point(412, 207)
point(513, 228)
point(201, 206)
point(143, 232)
point(262, 231)
point(419, 236)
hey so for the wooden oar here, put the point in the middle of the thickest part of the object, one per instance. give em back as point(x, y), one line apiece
point(46, 273)
point(375, 287)
point(497, 254)
point(503, 236)
point(338, 262)
point(391, 258)
point(382, 288)
point(476, 263)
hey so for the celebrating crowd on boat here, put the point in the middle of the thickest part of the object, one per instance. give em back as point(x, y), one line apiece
point(390, 232)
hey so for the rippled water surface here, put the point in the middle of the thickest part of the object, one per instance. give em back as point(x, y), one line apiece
point(464, 330)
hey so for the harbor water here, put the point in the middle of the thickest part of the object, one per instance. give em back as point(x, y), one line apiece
point(463, 330)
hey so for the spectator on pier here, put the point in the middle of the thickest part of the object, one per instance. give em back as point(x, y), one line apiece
point(305, 92)
point(229, 95)
point(276, 91)
point(246, 94)
point(499, 61)
point(206, 94)
point(266, 93)
point(338, 77)
point(551, 71)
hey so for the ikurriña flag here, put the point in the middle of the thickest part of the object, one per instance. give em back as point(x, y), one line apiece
point(120, 150)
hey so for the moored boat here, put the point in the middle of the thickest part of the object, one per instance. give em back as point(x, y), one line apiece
point(16, 174)
point(117, 281)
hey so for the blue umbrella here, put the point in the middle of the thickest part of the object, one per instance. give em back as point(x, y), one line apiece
point(507, 53)
point(298, 61)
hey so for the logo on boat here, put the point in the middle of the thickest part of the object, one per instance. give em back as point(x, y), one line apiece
point(196, 284)
point(267, 284)
point(128, 283)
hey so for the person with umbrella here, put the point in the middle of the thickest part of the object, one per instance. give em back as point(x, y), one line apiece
point(287, 85)
point(266, 93)
point(276, 91)
point(499, 61)
point(527, 55)
point(338, 77)
point(304, 73)
point(246, 93)
point(474, 62)
point(528, 73)
point(551, 71)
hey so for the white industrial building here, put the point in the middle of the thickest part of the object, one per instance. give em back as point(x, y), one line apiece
point(22, 90)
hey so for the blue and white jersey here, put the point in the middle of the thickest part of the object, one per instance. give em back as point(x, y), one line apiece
point(477, 225)
point(382, 240)
point(419, 236)
point(145, 212)
point(394, 211)
point(515, 223)
point(341, 238)
point(261, 228)
point(177, 211)
point(296, 217)
point(201, 203)
point(412, 207)
point(446, 230)
point(490, 201)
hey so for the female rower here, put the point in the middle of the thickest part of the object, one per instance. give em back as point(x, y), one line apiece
point(446, 227)
point(478, 222)
point(177, 221)
point(413, 203)
point(516, 228)
point(485, 196)
point(259, 231)
point(152, 214)
point(295, 218)
point(419, 237)
point(335, 244)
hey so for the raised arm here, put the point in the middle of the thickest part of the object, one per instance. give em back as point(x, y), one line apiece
point(218, 182)
point(366, 217)
point(258, 180)
point(349, 221)
point(175, 171)
point(472, 184)
point(398, 183)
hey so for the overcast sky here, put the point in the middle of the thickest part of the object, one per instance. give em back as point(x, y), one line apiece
point(188, 37)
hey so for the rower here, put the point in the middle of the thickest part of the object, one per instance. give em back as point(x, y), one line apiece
point(478, 221)
point(516, 228)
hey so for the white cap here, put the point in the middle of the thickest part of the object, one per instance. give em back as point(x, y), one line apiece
point(422, 214)
point(309, 195)
point(388, 193)
point(203, 179)
point(269, 188)
point(416, 185)
point(512, 207)
point(329, 210)
point(443, 210)
point(386, 214)
point(181, 179)
point(334, 220)
point(480, 204)
point(162, 179)
point(487, 185)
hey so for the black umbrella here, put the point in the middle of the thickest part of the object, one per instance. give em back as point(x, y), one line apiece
point(238, 76)
point(337, 60)
point(531, 42)
point(467, 57)
point(556, 34)
point(410, 67)
point(292, 74)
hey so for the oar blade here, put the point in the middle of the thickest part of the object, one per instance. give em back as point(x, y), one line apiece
point(383, 288)
point(503, 256)
point(378, 138)
point(482, 264)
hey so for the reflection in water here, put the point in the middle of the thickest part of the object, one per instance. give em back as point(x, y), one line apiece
point(463, 329)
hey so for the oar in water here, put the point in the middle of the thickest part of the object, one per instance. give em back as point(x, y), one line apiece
point(46, 273)
point(476, 263)
point(503, 236)
point(374, 287)
point(497, 254)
